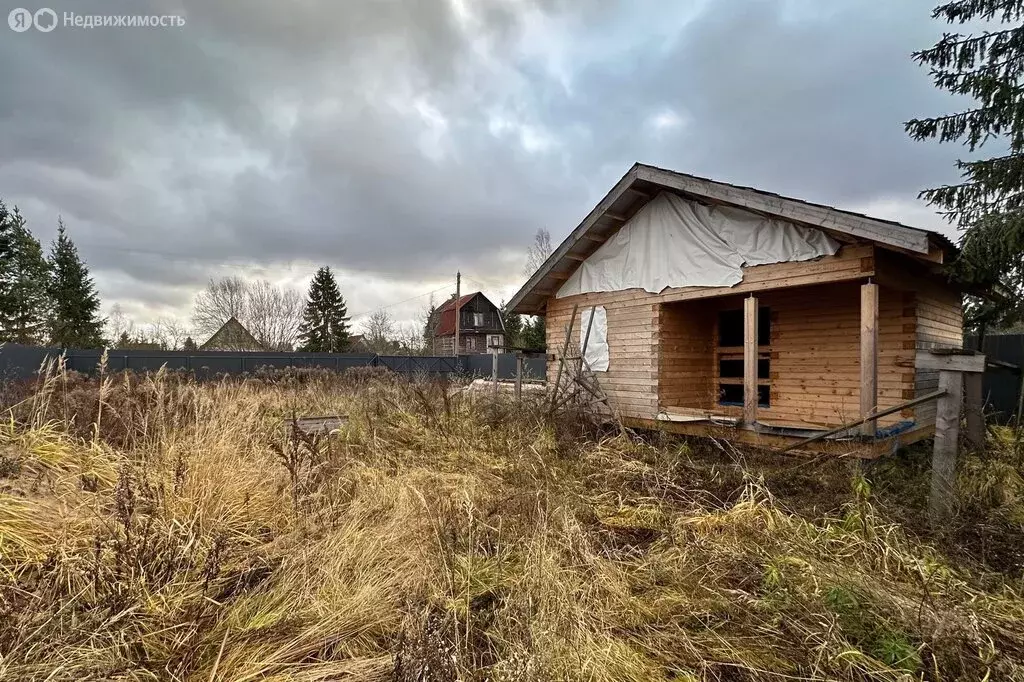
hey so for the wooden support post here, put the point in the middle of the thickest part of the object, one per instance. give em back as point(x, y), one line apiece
point(750, 394)
point(974, 406)
point(941, 502)
point(519, 376)
point(868, 357)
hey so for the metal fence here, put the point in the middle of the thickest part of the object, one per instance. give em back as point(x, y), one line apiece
point(1001, 387)
point(22, 362)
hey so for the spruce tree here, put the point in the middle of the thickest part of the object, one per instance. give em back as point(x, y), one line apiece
point(324, 326)
point(74, 313)
point(429, 325)
point(534, 333)
point(24, 277)
point(513, 325)
point(988, 202)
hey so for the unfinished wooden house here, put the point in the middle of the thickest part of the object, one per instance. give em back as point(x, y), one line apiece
point(729, 310)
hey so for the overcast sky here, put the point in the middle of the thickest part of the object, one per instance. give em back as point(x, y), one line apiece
point(400, 140)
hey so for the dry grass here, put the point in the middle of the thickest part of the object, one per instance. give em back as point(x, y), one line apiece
point(152, 528)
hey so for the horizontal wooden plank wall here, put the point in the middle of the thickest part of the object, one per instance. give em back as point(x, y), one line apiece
point(939, 325)
point(815, 354)
point(686, 376)
point(938, 317)
point(634, 325)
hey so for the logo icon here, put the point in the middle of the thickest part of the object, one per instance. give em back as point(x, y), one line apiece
point(20, 19)
point(45, 19)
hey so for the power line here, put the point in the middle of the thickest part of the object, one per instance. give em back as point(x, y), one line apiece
point(392, 305)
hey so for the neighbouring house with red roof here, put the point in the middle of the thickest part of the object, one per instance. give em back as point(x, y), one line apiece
point(480, 325)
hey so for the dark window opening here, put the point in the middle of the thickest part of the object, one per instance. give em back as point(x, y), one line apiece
point(731, 395)
point(730, 369)
point(733, 369)
point(730, 364)
point(730, 327)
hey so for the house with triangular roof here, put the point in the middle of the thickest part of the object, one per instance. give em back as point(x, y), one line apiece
point(706, 306)
point(232, 336)
point(480, 325)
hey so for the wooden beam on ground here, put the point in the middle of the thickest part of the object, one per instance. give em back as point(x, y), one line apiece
point(942, 498)
point(750, 395)
point(868, 358)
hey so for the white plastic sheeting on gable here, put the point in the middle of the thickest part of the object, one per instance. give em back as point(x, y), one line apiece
point(596, 354)
point(672, 242)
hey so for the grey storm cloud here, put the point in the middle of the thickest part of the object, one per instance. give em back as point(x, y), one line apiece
point(402, 139)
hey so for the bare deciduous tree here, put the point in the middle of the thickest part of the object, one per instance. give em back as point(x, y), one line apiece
point(271, 314)
point(169, 332)
point(379, 331)
point(538, 252)
point(221, 300)
point(119, 323)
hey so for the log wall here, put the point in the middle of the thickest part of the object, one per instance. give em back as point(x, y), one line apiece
point(661, 346)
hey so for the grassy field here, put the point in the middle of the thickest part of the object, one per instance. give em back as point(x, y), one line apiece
point(152, 528)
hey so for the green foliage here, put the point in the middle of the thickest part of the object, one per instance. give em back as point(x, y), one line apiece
point(24, 278)
point(74, 320)
point(324, 326)
point(988, 203)
point(513, 325)
point(534, 332)
point(189, 344)
point(429, 325)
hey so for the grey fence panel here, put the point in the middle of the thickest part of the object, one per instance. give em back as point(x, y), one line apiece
point(535, 368)
point(1001, 388)
point(22, 362)
point(415, 364)
point(19, 362)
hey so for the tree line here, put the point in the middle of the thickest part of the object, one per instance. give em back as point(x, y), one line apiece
point(51, 299)
point(45, 298)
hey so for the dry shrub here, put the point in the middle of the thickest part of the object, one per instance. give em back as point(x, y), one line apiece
point(186, 533)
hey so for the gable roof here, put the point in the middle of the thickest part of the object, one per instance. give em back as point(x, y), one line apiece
point(232, 335)
point(462, 301)
point(446, 315)
point(642, 183)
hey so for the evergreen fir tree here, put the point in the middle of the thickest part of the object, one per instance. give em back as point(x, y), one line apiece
point(24, 278)
point(324, 326)
point(429, 325)
point(534, 334)
point(74, 314)
point(988, 202)
point(513, 327)
point(189, 344)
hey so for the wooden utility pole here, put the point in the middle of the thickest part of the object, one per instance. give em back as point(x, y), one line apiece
point(458, 295)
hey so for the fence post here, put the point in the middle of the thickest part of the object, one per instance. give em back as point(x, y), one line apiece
point(494, 371)
point(519, 376)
